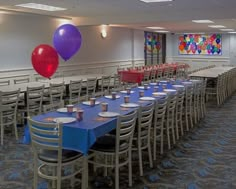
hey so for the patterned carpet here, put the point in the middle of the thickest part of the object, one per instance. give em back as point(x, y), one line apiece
point(203, 159)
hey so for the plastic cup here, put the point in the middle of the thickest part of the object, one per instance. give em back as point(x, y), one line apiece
point(70, 108)
point(128, 91)
point(141, 93)
point(104, 106)
point(92, 101)
point(145, 86)
point(126, 99)
point(79, 114)
point(113, 95)
point(155, 89)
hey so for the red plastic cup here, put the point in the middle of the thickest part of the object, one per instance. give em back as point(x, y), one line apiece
point(79, 114)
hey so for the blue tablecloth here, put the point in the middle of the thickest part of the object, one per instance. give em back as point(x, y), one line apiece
point(81, 135)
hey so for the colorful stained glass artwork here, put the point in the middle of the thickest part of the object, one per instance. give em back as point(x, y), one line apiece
point(152, 42)
point(198, 44)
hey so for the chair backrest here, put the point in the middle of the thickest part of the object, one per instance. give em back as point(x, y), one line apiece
point(22, 80)
point(146, 75)
point(125, 130)
point(4, 82)
point(117, 81)
point(145, 115)
point(53, 107)
point(180, 101)
point(75, 91)
point(91, 84)
point(159, 73)
point(46, 136)
point(159, 113)
point(8, 104)
point(34, 99)
point(105, 83)
point(56, 92)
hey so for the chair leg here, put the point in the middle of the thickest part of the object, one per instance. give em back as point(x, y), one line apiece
point(150, 154)
point(154, 145)
point(117, 174)
point(162, 141)
point(173, 131)
point(2, 134)
point(168, 136)
point(140, 159)
point(130, 169)
point(35, 173)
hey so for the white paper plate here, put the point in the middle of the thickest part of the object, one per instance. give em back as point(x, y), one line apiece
point(126, 92)
point(88, 103)
point(163, 81)
point(129, 105)
point(153, 83)
point(64, 110)
point(147, 98)
point(108, 114)
point(159, 94)
point(64, 119)
point(178, 86)
point(142, 87)
point(170, 90)
point(195, 80)
point(110, 97)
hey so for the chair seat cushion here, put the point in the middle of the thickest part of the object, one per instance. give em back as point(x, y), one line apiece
point(107, 143)
point(52, 156)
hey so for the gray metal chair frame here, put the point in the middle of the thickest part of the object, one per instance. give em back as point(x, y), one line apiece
point(121, 153)
point(142, 135)
point(8, 111)
point(49, 157)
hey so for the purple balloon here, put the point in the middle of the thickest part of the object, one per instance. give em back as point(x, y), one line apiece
point(67, 41)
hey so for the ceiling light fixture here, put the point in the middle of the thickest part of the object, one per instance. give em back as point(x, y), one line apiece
point(227, 29)
point(162, 31)
point(203, 21)
point(216, 26)
point(232, 32)
point(40, 7)
point(155, 28)
point(155, 1)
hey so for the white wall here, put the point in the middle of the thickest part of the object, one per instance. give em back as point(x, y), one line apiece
point(20, 34)
point(197, 61)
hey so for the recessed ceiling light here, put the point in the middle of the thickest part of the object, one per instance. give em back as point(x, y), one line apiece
point(156, 28)
point(232, 32)
point(194, 33)
point(202, 21)
point(155, 1)
point(40, 7)
point(227, 29)
point(162, 31)
point(216, 26)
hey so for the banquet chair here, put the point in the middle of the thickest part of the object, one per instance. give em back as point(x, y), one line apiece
point(153, 75)
point(159, 74)
point(142, 134)
point(75, 88)
point(116, 81)
point(21, 80)
point(188, 110)
point(91, 85)
point(170, 119)
point(179, 113)
point(146, 75)
point(166, 73)
point(8, 111)
point(51, 161)
point(53, 107)
point(203, 98)
point(158, 125)
point(55, 93)
point(105, 84)
point(114, 151)
point(34, 100)
point(171, 72)
point(4, 82)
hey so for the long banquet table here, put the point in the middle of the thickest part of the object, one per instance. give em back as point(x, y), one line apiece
point(211, 72)
point(81, 135)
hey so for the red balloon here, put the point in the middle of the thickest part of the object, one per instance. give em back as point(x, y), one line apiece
point(44, 59)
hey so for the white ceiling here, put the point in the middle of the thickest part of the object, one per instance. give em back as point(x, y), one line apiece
point(175, 16)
